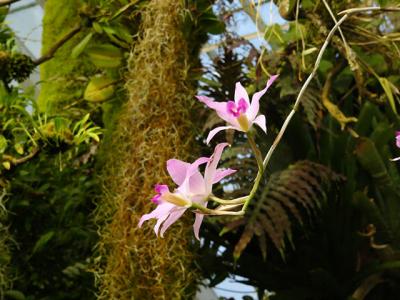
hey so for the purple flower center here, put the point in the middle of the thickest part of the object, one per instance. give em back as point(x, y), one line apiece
point(156, 199)
point(159, 189)
point(237, 110)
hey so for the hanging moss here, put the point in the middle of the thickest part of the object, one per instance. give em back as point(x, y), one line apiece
point(5, 256)
point(155, 124)
point(63, 78)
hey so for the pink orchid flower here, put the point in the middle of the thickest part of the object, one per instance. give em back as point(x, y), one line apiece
point(239, 114)
point(192, 187)
point(397, 144)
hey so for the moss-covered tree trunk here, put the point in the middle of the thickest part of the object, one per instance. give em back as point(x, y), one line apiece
point(5, 255)
point(155, 124)
point(63, 78)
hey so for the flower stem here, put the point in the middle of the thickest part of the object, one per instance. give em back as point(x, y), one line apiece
point(240, 200)
point(255, 150)
point(206, 211)
point(289, 117)
point(254, 189)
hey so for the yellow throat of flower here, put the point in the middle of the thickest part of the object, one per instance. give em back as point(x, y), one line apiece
point(243, 122)
point(176, 199)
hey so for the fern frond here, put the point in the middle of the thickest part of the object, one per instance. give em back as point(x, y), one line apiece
point(312, 106)
point(290, 195)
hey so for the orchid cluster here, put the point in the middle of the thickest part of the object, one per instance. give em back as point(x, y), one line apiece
point(194, 189)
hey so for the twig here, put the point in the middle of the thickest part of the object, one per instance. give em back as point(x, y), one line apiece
point(7, 2)
point(303, 89)
point(339, 29)
point(50, 54)
point(18, 161)
point(291, 114)
point(365, 9)
point(250, 10)
point(299, 96)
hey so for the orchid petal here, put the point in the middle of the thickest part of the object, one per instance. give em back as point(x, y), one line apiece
point(260, 121)
point(197, 184)
point(173, 217)
point(255, 101)
point(161, 188)
point(395, 159)
point(211, 167)
point(194, 166)
point(160, 211)
point(197, 223)
point(159, 222)
point(213, 132)
point(193, 185)
point(211, 103)
point(221, 174)
point(240, 93)
point(398, 139)
point(220, 108)
point(181, 172)
point(177, 170)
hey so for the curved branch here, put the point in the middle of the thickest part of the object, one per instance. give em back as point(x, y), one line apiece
point(7, 2)
point(368, 9)
point(50, 54)
point(18, 161)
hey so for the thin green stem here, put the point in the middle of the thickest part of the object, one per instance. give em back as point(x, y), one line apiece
point(290, 116)
point(255, 150)
point(240, 200)
point(254, 189)
point(208, 211)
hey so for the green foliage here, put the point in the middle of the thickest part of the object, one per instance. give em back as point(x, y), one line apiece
point(46, 237)
point(45, 175)
point(49, 222)
point(288, 194)
point(349, 246)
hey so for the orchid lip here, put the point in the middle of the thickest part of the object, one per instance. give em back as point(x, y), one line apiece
point(176, 199)
point(156, 199)
point(243, 122)
point(237, 110)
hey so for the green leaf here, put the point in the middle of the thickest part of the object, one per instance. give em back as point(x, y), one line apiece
point(78, 49)
point(97, 27)
point(94, 136)
point(388, 88)
point(274, 36)
point(14, 294)
point(99, 89)
point(7, 165)
point(123, 9)
point(105, 56)
point(19, 148)
point(119, 35)
point(3, 144)
point(42, 241)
